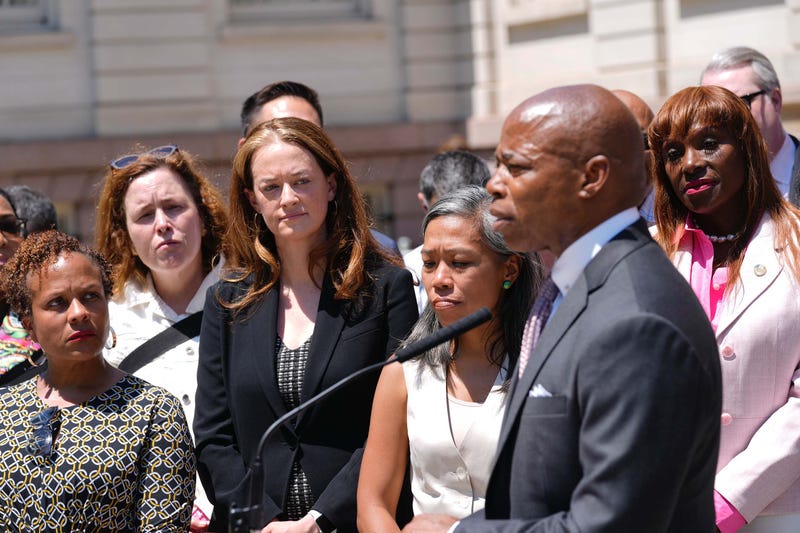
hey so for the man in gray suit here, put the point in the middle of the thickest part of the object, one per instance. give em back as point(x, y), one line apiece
point(750, 75)
point(613, 417)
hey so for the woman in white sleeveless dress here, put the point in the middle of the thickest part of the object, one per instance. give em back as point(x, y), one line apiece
point(441, 412)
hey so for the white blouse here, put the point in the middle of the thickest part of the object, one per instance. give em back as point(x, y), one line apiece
point(446, 478)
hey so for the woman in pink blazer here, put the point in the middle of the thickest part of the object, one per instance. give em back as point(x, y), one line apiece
point(726, 227)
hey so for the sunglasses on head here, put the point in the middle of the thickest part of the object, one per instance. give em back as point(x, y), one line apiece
point(45, 427)
point(12, 225)
point(159, 151)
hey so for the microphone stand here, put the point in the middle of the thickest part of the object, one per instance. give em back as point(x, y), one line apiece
point(247, 518)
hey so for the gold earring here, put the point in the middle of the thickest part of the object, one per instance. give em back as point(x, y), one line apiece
point(113, 339)
point(29, 354)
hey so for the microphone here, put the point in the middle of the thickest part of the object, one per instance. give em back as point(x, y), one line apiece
point(245, 519)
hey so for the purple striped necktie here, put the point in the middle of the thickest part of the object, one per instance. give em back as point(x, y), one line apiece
point(536, 321)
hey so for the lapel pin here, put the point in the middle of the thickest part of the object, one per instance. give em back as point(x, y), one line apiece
point(759, 270)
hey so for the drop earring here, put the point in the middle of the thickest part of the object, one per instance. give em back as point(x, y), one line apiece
point(113, 339)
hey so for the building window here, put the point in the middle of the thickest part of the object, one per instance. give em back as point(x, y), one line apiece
point(305, 10)
point(19, 15)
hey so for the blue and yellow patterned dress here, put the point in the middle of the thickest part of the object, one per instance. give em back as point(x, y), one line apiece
point(121, 461)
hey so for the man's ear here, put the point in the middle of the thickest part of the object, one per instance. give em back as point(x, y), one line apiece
point(595, 174)
point(777, 99)
point(422, 201)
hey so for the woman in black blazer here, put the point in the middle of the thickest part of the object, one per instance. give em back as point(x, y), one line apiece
point(309, 297)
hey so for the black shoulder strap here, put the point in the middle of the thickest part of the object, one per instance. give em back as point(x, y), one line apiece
point(181, 331)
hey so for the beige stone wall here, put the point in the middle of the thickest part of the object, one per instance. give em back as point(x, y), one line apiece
point(396, 77)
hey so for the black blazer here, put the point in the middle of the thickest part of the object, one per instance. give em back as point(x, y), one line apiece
point(238, 398)
point(614, 426)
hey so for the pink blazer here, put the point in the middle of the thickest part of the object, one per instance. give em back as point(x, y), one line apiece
point(758, 334)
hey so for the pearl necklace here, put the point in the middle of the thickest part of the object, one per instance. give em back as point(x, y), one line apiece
point(719, 238)
point(723, 238)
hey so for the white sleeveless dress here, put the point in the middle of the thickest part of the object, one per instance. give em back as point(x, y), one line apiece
point(445, 478)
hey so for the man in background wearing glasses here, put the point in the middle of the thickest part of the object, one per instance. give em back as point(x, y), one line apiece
point(750, 75)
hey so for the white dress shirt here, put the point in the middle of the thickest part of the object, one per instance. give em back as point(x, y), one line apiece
point(573, 260)
point(413, 262)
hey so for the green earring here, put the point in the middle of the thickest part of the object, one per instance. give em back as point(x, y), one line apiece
point(507, 284)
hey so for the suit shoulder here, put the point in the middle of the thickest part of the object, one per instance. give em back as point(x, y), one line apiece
point(387, 273)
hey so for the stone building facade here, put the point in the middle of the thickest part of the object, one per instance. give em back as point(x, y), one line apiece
point(86, 80)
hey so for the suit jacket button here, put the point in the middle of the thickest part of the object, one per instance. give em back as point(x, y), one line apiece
point(728, 353)
point(725, 419)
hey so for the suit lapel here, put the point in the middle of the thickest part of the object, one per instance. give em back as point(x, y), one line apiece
point(760, 268)
point(570, 308)
point(328, 328)
point(261, 328)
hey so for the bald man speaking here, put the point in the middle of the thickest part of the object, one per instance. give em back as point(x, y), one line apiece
point(613, 417)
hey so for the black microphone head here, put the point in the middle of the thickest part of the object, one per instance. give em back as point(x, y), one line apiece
point(443, 335)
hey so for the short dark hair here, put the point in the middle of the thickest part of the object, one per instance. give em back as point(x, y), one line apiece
point(274, 91)
point(4, 194)
point(450, 171)
point(36, 208)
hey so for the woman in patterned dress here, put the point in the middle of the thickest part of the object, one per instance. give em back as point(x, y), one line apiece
point(442, 411)
point(308, 298)
point(83, 446)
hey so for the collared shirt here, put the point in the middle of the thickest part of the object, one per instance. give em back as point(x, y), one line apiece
point(782, 164)
point(413, 262)
point(141, 314)
point(569, 265)
point(707, 283)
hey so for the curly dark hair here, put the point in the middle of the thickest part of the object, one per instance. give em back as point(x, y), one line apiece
point(36, 253)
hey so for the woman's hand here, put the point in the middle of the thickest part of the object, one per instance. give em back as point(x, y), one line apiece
point(304, 525)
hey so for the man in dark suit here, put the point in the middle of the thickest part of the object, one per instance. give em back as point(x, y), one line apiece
point(613, 421)
point(750, 75)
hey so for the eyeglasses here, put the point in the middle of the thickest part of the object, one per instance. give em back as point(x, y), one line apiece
point(159, 151)
point(748, 98)
point(646, 141)
point(12, 225)
point(45, 427)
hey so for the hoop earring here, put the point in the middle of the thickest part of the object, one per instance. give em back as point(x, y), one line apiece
point(29, 354)
point(113, 339)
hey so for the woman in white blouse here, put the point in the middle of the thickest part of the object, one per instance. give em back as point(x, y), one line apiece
point(449, 402)
point(160, 224)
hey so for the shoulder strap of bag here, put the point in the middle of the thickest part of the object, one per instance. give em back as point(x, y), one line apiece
point(181, 331)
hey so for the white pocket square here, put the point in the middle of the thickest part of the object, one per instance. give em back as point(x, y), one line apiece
point(538, 391)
